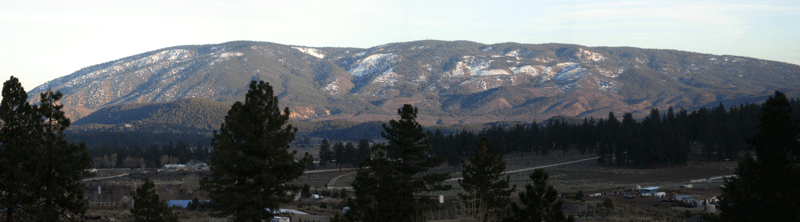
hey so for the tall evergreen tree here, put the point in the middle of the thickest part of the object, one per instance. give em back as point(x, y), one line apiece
point(40, 171)
point(483, 182)
point(325, 153)
point(148, 206)
point(763, 190)
point(540, 202)
point(363, 150)
point(351, 154)
point(253, 167)
point(339, 154)
point(385, 185)
point(628, 148)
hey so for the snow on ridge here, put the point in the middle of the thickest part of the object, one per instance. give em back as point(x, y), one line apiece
point(589, 55)
point(371, 64)
point(311, 51)
point(89, 74)
point(229, 54)
point(172, 54)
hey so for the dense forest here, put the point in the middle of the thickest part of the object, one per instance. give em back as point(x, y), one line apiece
point(661, 138)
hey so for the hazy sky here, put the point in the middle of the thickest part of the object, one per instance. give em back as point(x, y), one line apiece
point(43, 40)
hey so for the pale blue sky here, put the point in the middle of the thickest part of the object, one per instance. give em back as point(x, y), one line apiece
point(43, 40)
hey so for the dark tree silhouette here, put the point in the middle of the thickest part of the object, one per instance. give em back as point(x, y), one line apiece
point(540, 202)
point(483, 182)
point(386, 184)
point(253, 167)
point(763, 190)
point(148, 206)
point(40, 171)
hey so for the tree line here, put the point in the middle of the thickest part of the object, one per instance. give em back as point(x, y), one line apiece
point(152, 156)
point(658, 139)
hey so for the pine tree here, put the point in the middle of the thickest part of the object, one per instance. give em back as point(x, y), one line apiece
point(363, 151)
point(148, 206)
point(339, 154)
point(540, 202)
point(40, 171)
point(306, 192)
point(763, 189)
point(386, 184)
point(19, 127)
point(351, 155)
point(253, 167)
point(325, 153)
point(483, 182)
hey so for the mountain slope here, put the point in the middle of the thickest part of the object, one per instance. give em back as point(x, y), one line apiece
point(192, 112)
point(445, 79)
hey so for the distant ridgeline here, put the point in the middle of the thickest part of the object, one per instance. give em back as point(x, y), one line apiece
point(482, 83)
point(661, 138)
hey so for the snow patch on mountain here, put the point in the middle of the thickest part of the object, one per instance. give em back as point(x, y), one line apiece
point(333, 87)
point(420, 79)
point(429, 67)
point(610, 73)
point(476, 67)
point(589, 55)
point(570, 73)
point(226, 55)
point(526, 69)
point(569, 87)
point(373, 64)
point(545, 60)
point(388, 77)
point(311, 51)
point(606, 85)
point(514, 53)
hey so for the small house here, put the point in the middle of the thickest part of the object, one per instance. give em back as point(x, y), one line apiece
point(281, 219)
point(648, 191)
point(682, 197)
point(175, 167)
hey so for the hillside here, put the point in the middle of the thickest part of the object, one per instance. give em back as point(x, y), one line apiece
point(196, 113)
point(451, 82)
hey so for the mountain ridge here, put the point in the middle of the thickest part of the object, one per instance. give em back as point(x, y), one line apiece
point(445, 79)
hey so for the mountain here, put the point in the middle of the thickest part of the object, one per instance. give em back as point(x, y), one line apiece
point(450, 82)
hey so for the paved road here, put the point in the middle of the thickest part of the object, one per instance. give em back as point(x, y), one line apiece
point(539, 167)
point(103, 178)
